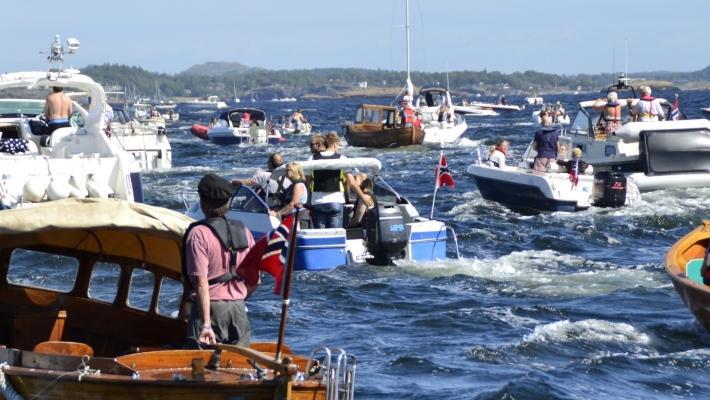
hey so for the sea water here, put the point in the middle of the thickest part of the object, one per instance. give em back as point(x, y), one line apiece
point(552, 305)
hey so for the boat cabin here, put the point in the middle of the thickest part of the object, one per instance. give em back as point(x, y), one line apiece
point(234, 116)
point(111, 288)
point(377, 115)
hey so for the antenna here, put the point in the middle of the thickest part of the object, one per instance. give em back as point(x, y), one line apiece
point(626, 56)
point(406, 26)
point(56, 56)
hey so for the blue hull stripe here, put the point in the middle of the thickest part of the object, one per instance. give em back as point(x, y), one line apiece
point(521, 196)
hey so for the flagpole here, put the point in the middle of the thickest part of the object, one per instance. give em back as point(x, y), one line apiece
point(436, 184)
point(287, 283)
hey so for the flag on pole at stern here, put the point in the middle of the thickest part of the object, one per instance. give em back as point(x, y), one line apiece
point(267, 255)
point(443, 175)
point(675, 112)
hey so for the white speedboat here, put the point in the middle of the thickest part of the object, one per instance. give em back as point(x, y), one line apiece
point(76, 161)
point(436, 132)
point(393, 230)
point(197, 106)
point(474, 110)
point(231, 129)
point(290, 128)
point(494, 106)
point(535, 100)
point(705, 110)
point(557, 118)
point(519, 188)
point(168, 112)
point(148, 144)
point(656, 155)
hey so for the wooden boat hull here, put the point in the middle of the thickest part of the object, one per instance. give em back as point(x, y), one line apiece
point(680, 261)
point(360, 135)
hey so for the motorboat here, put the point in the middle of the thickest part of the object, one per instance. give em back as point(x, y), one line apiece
point(535, 100)
point(521, 188)
point(148, 144)
point(469, 109)
point(147, 114)
point(291, 128)
point(76, 161)
point(497, 107)
point(244, 126)
point(393, 230)
point(705, 110)
point(655, 155)
point(558, 113)
point(688, 265)
point(380, 126)
point(211, 105)
point(167, 112)
point(110, 321)
point(439, 129)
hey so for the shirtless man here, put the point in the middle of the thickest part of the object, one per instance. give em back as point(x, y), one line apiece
point(57, 109)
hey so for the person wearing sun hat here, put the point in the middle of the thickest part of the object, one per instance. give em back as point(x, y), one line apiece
point(214, 248)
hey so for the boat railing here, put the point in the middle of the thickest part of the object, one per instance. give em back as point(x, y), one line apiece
point(456, 241)
point(339, 377)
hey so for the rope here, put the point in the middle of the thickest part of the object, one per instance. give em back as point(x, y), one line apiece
point(7, 390)
point(83, 369)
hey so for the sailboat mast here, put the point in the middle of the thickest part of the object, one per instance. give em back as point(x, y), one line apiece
point(406, 26)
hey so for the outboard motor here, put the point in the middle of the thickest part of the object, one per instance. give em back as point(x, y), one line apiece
point(385, 236)
point(609, 189)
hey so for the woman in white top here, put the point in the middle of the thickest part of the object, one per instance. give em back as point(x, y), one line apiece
point(496, 157)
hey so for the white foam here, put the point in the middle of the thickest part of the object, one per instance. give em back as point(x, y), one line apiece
point(589, 330)
point(547, 273)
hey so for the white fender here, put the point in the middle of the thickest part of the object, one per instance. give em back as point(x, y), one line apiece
point(98, 187)
point(78, 187)
point(35, 189)
point(58, 189)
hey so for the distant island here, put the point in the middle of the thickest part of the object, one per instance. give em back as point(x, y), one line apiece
point(227, 79)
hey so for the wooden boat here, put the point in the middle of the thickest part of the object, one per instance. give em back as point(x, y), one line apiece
point(65, 339)
point(686, 261)
point(380, 127)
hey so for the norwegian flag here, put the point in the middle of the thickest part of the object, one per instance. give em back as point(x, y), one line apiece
point(443, 175)
point(675, 112)
point(267, 255)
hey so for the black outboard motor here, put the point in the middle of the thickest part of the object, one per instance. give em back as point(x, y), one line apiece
point(385, 236)
point(609, 189)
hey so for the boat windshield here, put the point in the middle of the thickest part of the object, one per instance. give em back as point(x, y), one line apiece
point(582, 121)
point(245, 200)
point(384, 192)
point(24, 107)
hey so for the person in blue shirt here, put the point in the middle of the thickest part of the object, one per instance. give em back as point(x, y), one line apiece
point(545, 143)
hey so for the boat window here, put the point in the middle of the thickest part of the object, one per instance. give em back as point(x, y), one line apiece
point(141, 290)
point(580, 125)
point(609, 151)
point(103, 285)
point(358, 115)
point(246, 200)
point(42, 270)
point(169, 297)
point(77, 120)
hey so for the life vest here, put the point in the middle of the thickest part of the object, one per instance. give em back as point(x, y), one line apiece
point(650, 113)
point(326, 180)
point(232, 237)
point(408, 115)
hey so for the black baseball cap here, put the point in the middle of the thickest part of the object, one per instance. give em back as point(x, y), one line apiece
point(215, 188)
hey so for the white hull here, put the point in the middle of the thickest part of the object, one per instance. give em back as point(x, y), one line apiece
point(473, 110)
point(150, 149)
point(444, 133)
point(521, 188)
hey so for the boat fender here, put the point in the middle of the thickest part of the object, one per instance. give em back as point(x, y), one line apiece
point(34, 189)
point(58, 190)
point(78, 187)
point(98, 187)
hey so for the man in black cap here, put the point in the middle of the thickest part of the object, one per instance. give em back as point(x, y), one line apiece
point(214, 248)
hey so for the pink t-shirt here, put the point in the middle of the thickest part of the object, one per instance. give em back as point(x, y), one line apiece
point(204, 257)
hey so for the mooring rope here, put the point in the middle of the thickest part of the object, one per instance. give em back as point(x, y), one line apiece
point(7, 390)
point(83, 370)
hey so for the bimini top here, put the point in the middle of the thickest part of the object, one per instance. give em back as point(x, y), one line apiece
point(363, 164)
point(235, 114)
point(106, 227)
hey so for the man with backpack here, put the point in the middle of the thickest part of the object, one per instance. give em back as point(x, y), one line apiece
point(268, 188)
point(214, 249)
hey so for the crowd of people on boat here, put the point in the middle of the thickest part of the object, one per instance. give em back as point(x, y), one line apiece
point(215, 245)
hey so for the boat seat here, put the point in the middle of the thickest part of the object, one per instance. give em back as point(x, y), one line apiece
point(63, 348)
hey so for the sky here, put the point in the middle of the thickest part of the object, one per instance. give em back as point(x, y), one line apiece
point(554, 36)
